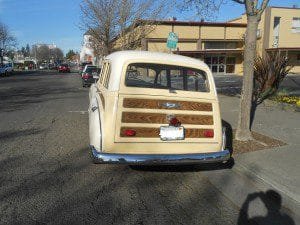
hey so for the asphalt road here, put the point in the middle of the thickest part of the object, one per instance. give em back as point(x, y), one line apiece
point(47, 176)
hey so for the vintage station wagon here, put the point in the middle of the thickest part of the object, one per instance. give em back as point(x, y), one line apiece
point(155, 108)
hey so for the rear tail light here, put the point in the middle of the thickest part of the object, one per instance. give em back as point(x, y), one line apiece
point(173, 121)
point(85, 76)
point(129, 133)
point(209, 133)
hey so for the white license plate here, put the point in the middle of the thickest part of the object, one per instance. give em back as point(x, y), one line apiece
point(168, 133)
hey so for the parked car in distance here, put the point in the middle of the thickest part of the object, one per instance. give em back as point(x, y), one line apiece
point(53, 66)
point(155, 108)
point(64, 68)
point(88, 75)
point(43, 66)
point(6, 69)
point(82, 66)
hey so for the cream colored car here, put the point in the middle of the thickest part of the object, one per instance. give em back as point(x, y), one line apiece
point(155, 108)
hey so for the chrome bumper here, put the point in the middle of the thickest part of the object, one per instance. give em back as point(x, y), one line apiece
point(160, 159)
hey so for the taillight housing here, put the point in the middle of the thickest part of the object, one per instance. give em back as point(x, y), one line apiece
point(85, 76)
point(173, 121)
point(129, 133)
point(208, 133)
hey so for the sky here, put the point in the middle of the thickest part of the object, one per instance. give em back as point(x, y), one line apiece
point(58, 21)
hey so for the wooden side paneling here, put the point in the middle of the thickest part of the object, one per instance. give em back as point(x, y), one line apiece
point(158, 104)
point(131, 117)
point(146, 132)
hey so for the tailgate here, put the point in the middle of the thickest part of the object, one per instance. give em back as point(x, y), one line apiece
point(146, 114)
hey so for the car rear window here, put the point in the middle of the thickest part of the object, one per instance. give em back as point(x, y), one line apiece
point(162, 76)
point(91, 69)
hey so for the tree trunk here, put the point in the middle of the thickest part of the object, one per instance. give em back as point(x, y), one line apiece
point(243, 132)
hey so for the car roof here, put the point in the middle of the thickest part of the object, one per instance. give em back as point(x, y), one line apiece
point(118, 59)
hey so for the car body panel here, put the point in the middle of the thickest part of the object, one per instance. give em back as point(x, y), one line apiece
point(123, 107)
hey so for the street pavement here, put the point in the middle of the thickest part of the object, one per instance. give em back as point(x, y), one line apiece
point(47, 176)
point(231, 84)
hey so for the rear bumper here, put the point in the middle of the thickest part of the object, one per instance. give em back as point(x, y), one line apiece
point(160, 159)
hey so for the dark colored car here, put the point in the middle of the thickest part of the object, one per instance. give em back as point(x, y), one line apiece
point(53, 67)
point(87, 75)
point(64, 68)
point(82, 66)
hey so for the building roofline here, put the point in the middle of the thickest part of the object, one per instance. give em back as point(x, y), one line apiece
point(217, 51)
point(283, 7)
point(198, 23)
point(233, 19)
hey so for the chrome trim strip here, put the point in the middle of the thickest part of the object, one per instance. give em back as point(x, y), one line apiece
point(159, 159)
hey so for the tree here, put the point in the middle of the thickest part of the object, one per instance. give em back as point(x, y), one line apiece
point(254, 11)
point(70, 54)
point(27, 51)
point(106, 20)
point(56, 54)
point(43, 53)
point(7, 40)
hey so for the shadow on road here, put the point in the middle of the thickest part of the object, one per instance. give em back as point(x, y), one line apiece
point(272, 201)
point(5, 135)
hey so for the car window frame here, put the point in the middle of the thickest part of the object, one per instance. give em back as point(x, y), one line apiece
point(168, 77)
point(211, 95)
point(105, 75)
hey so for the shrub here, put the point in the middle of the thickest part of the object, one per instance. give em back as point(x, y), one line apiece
point(269, 72)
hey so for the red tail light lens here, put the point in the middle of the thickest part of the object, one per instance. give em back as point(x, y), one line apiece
point(85, 76)
point(129, 133)
point(174, 122)
point(209, 133)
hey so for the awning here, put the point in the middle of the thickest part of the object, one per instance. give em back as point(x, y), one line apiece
point(209, 51)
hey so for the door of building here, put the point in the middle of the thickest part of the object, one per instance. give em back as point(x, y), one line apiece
point(220, 63)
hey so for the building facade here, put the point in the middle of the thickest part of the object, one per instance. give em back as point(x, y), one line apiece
point(87, 52)
point(221, 45)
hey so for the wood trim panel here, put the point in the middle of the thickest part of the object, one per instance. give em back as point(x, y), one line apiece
point(132, 117)
point(146, 132)
point(157, 104)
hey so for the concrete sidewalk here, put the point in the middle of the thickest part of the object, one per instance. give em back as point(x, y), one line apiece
point(276, 168)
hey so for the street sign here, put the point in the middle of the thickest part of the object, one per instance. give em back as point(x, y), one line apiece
point(172, 40)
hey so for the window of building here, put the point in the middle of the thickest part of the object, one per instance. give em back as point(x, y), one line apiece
point(276, 32)
point(220, 63)
point(220, 45)
point(296, 25)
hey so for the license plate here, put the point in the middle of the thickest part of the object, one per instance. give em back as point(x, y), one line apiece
point(169, 133)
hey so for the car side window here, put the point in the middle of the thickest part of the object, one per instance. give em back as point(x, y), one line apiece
point(105, 75)
point(102, 74)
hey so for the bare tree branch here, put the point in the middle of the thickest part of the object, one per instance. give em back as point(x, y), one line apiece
point(7, 40)
point(239, 1)
point(113, 24)
point(263, 7)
